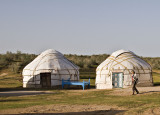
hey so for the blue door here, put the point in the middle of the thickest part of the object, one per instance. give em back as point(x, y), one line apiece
point(117, 80)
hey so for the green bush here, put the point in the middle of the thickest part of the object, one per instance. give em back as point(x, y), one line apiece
point(17, 61)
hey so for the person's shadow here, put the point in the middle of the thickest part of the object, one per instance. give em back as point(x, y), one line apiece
point(149, 92)
point(157, 84)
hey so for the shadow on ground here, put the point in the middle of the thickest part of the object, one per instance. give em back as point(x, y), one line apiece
point(157, 84)
point(149, 92)
point(99, 112)
point(19, 91)
point(13, 100)
point(22, 93)
point(66, 87)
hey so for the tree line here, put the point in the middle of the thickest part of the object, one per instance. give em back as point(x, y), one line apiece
point(17, 61)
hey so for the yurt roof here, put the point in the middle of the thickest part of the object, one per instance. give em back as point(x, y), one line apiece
point(119, 52)
point(123, 59)
point(50, 60)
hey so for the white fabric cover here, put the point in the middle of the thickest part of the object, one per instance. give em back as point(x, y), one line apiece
point(123, 61)
point(50, 61)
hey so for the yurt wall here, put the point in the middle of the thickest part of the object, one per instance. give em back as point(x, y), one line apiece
point(116, 70)
point(48, 70)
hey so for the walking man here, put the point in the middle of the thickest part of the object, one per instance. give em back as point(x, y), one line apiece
point(134, 82)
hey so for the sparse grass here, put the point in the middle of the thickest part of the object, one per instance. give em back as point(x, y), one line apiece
point(139, 103)
point(136, 104)
point(92, 81)
point(156, 77)
point(10, 80)
point(85, 75)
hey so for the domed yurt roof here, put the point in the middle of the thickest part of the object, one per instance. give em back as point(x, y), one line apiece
point(48, 61)
point(123, 59)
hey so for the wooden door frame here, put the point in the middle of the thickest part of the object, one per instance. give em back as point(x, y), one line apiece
point(44, 76)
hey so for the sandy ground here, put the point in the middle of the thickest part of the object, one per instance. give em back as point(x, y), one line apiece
point(68, 110)
point(3, 74)
point(82, 109)
point(155, 111)
point(142, 90)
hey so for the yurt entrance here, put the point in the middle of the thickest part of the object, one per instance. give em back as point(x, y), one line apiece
point(117, 79)
point(45, 79)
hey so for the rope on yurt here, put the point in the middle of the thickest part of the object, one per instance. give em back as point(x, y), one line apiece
point(139, 65)
point(68, 71)
point(36, 68)
point(135, 67)
point(133, 57)
point(41, 59)
point(115, 59)
point(111, 61)
point(125, 68)
point(110, 71)
point(103, 67)
point(137, 57)
point(149, 68)
point(74, 66)
point(66, 60)
point(127, 59)
point(50, 54)
point(117, 62)
point(145, 63)
point(39, 62)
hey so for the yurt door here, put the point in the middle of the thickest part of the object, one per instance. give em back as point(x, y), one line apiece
point(117, 80)
point(45, 79)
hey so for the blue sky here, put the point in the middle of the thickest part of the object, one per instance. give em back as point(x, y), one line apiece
point(80, 26)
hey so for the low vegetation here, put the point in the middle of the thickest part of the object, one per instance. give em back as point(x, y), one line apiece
point(17, 61)
point(11, 65)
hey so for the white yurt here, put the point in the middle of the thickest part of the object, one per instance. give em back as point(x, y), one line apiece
point(115, 71)
point(48, 69)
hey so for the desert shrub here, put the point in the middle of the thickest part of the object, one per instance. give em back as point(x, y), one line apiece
point(17, 61)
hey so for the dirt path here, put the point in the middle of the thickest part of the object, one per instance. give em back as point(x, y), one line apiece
point(142, 90)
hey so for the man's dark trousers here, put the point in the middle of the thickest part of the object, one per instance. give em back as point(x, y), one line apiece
point(134, 87)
